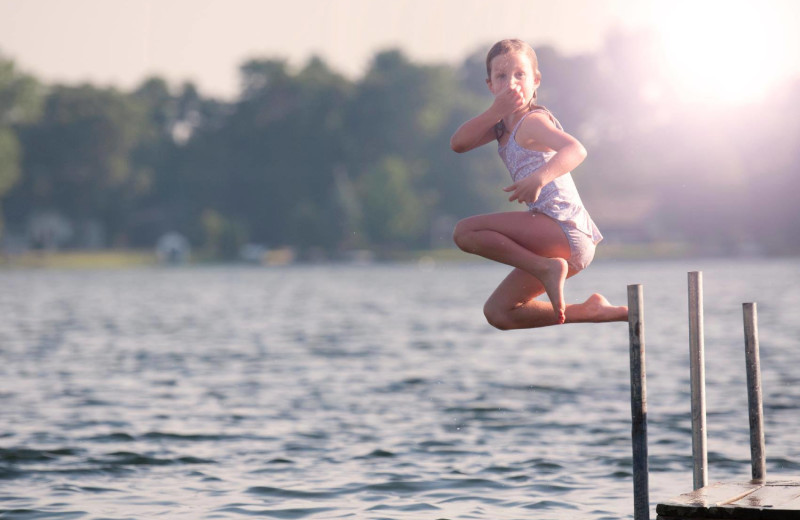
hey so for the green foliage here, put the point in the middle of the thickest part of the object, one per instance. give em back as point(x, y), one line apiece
point(9, 164)
point(20, 102)
point(395, 213)
point(78, 156)
point(270, 162)
point(20, 95)
point(9, 159)
point(223, 237)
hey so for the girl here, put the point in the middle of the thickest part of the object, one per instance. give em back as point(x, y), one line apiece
point(556, 237)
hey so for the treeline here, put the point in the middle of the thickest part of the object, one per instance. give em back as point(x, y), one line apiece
point(310, 159)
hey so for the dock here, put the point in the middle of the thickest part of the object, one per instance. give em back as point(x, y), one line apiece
point(756, 499)
point(752, 500)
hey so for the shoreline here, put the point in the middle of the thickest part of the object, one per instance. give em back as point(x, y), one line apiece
point(125, 259)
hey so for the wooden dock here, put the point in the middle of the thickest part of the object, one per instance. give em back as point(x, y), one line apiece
point(753, 500)
point(757, 499)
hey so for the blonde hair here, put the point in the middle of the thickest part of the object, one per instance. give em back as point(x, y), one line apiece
point(506, 47)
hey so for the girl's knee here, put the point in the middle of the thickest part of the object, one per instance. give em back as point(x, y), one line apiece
point(497, 317)
point(461, 235)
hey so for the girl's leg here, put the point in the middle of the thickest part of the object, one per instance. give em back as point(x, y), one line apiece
point(512, 305)
point(534, 243)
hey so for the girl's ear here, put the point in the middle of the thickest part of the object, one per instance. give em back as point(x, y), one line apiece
point(537, 78)
point(489, 84)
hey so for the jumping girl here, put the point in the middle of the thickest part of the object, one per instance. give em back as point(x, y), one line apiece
point(555, 238)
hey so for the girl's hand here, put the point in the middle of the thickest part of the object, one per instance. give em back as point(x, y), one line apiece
point(508, 101)
point(525, 191)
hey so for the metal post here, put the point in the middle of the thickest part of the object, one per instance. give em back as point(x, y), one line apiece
point(641, 498)
point(698, 379)
point(758, 457)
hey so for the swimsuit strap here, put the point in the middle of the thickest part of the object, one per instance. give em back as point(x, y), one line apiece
point(538, 109)
point(516, 127)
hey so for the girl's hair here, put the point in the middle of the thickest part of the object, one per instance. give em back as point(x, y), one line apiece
point(506, 47)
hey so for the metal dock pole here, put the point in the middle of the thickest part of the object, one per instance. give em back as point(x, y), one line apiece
point(641, 496)
point(758, 458)
point(698, 380)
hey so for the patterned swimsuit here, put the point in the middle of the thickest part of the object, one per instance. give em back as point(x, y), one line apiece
point(558, 200)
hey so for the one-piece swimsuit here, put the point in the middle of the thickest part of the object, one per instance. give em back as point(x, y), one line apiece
point(559, 199)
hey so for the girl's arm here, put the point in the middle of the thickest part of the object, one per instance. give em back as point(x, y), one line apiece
point(480, 129)
point(539, 133)
point(474, 133)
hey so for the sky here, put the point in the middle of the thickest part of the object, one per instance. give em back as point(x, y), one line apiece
point(121, 42)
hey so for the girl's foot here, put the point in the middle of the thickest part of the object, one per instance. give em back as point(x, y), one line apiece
point(552, 279)
point(597, 309)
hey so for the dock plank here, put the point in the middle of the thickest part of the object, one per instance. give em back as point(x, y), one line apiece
point(794, 504)
point(753, 500)
point(773, 494)
point(716, 494)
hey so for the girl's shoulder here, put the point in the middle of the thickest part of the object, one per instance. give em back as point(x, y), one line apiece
point(542, 114)
point(538, 119)
point(539, 131)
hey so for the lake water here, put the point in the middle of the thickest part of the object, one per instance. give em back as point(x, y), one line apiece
point(370, 392)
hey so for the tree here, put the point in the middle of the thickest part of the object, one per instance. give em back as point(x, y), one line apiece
point(20, 95)
point(405, 111)
point(269, 165)
point(77, 157)
point(158, 200)
point(394, 211)
point(20, 103)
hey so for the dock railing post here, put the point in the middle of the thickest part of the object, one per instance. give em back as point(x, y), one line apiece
point(754, 400)
point(698, 380)
point(641, 496)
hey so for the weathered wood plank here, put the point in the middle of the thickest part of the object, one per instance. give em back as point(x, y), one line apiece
point(753, 500)
point(794, 504)
point(771, 495)
point(716, 494)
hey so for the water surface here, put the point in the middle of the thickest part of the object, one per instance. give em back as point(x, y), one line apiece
point(372, 392)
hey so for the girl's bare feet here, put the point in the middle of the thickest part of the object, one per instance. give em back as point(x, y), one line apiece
point(552, 278)
point(597, 309)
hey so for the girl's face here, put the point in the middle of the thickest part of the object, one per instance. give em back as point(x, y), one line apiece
point(513, 70)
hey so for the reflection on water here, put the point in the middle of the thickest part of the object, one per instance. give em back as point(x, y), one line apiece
point(368, 392)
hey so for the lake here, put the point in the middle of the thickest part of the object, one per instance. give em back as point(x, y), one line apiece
point(370, 392)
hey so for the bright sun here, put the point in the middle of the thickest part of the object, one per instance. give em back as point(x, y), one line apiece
point(730, 51)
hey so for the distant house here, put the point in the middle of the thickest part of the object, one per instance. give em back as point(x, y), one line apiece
point(49, 231)
point(173, 249)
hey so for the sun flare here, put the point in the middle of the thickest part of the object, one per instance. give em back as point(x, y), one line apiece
point(728, 51)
